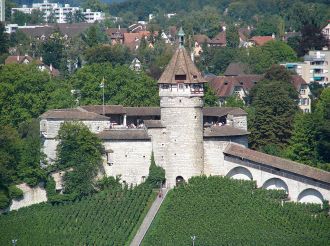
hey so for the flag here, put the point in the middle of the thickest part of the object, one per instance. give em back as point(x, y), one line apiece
point(102, 83)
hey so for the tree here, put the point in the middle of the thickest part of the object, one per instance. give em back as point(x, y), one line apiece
point(232, 37)
point(78, 16)
point(4, 42)
point(52, 51)
point(37, 17)
point(234, 101)
point(122, 86)
point(21, 18)
point(323, 137)
point(210, 98)
point(116, 55)
point(29, 165)
point(69, 18)
point(274, 103)
point(156, 175)
point(79, 152)
point(303, 141)
point(312, 38)
point(266, 27)
point(261, 58)
point(94, 35)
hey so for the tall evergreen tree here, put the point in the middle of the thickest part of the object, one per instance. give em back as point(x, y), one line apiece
point(275, 106)
point(232, 37)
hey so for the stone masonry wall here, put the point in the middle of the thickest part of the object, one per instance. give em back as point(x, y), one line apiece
point(131, 159)
point(159, 145)
point(32, 195)
point(213, 153)
point(183, 119)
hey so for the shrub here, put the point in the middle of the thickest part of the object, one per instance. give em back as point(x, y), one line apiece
point(156, 174)
point(15, 192)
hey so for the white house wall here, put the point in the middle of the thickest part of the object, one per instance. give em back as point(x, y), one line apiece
point(131, 160)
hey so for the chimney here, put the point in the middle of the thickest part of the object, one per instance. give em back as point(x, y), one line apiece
point(51, 67)
point(273, 36)
point(17, 58)
point(40, 58)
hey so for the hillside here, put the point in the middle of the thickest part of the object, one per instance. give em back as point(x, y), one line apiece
point(106, 218)
point(219, 211)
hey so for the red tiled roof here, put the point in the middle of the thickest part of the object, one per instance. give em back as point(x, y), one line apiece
point(223, 86)
point(18, 59)
point(220, 39)
point(297, 81)
point(201, 38)
point(108, 109)
point(261, 40)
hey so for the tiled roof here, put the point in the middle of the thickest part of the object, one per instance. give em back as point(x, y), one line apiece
point(201, 38)
point(220, 39)
point(108, 109)
point(236, 68)
point(181, 64)
point(72, 114)
point(261, 40)
point(153, 124)
point(112, 31)
point(277, 162)
point(124, 134)
point(297, 81)
point(222, 111)
point(223, 86)
point(142, 111)
point(224, 131)
point(71, 30)
point(18, 59)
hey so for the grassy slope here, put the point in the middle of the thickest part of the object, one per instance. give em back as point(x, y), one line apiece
point(220, 211)
point(106, 218)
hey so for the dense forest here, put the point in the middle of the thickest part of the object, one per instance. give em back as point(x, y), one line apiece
point(221, 211)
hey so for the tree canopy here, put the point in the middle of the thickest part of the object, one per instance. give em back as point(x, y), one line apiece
point(122, 86)
point(79, 152)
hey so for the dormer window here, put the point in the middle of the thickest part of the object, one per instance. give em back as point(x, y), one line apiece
point(195, 76)
point(181, 77)
point(226, 82)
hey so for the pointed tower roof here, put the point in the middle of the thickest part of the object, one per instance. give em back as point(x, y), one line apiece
point(181, 69)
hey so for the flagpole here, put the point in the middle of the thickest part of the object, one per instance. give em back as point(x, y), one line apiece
point(103, 97)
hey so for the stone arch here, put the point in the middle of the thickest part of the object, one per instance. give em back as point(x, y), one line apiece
point(179, 180)
point(310, 195)
point(240, 173)
point(275, 184)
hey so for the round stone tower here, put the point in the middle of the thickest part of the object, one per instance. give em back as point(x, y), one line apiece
point(181, 101)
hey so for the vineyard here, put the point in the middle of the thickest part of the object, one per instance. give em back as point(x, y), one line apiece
point(220, 211)
point(106, 218)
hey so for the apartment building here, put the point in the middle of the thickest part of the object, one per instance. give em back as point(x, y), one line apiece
point(315, 68)
point(2, 10)
point(59, 11)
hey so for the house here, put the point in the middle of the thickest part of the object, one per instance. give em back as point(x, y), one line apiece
point(218, 41)
point(260, 40)
point(136, 65)
point(199, 40)
point(315, 68)
point(137, 27)
point(326, 33)
point(28, 59)
point(238, 82)
point(116, 35)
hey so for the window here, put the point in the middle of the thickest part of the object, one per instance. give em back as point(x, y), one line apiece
point(181, 87)
point(302, 92)
point(181, 77)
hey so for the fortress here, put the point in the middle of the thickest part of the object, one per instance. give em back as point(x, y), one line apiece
point(186, 139)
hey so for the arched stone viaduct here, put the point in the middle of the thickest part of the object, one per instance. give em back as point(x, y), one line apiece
point(302, 183)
